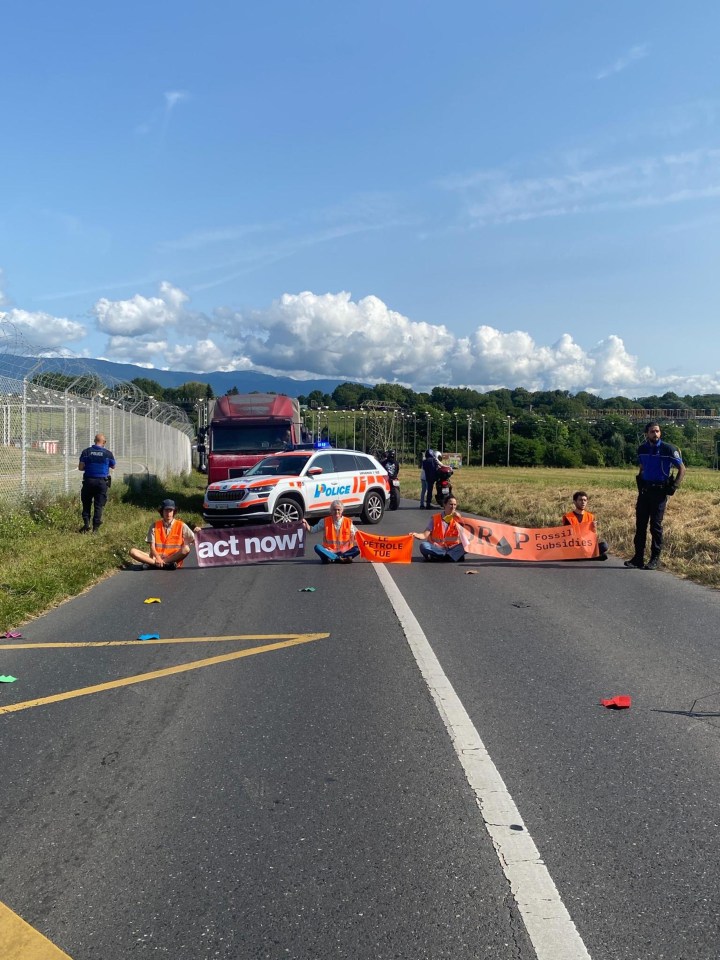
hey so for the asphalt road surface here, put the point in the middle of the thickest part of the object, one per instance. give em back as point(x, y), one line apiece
point(303, 795)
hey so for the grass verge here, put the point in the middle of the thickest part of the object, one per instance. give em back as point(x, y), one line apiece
point(44, 559)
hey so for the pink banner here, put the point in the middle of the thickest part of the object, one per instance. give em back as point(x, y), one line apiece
point(231, 546)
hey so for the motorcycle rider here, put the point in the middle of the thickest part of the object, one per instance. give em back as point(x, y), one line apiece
point(444, 472)
point(392, 468)
point(391, 465)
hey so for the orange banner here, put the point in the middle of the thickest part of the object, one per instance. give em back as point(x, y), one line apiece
point(384, 549)
point(488, 538)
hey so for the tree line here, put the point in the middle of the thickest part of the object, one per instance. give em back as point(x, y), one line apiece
point(544, 428)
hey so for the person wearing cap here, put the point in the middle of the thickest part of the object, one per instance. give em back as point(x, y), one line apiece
point(95, 465)
point(338, 544)
point(170, 541)
point(444, 538)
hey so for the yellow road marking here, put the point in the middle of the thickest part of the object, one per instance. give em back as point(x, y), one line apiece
point(146, 643)
point(294, 640)
point(20, 941)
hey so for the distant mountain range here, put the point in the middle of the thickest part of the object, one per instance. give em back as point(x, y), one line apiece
point(246, 381)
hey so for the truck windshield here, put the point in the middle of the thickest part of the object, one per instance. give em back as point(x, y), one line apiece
point(248, 438)
point(279, 466)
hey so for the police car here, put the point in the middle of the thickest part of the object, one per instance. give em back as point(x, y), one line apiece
point(288, 486)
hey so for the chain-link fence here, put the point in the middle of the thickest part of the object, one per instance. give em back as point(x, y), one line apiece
point(43, 431)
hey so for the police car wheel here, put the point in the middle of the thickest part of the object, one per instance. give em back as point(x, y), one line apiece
point(287, 511)
point(373, 508)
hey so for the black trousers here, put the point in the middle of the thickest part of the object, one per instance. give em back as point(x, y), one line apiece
point(650, 508)
point(93, 493)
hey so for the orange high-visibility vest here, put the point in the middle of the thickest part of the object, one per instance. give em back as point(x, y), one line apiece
point(445, 538)
point(167, 543)
point(570, 519)
point(341, 540)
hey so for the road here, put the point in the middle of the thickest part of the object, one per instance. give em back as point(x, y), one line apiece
point(301, 796)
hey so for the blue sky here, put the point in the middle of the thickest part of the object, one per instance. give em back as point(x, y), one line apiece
point(474, 193)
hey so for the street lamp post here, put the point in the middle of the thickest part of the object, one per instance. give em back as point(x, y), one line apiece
point(508, 443)
point(427, 430)
point(442, 433)
point(469, 424)
point(482, 462)
point(456, 439)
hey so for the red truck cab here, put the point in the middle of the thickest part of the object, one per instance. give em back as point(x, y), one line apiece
point(246, 427)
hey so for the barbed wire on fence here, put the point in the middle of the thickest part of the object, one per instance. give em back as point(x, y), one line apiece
point(52, 407)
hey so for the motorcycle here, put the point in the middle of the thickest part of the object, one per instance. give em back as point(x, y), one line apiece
point(394, 501)
point(392, 469)
point(443, 488)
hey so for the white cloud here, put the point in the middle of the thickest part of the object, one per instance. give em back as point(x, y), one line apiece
point(497, 197)
point(42, 331)
point(638, 52)
point(173, 97)
point(331, 335)
point(140, 315)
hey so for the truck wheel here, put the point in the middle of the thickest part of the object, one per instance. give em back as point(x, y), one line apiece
point(373, 508)
point(287, 511)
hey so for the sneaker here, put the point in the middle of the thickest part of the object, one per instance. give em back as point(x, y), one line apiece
point(603, 556)
point(652, 564)
point(84, 530)
point(635, 563)
point(169, 566)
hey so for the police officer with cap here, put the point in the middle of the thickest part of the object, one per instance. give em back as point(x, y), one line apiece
point(655, 482)
point(95, 463)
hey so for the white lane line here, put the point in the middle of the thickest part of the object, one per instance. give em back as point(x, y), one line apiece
point(548, 923)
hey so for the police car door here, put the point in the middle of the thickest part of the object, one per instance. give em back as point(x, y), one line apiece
point(320, 489)
point(348, 486)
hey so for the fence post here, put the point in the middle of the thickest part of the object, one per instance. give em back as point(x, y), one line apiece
point(66, 444)
point(23, 440)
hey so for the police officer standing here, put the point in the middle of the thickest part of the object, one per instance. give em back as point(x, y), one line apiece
point(655, 482)
point(95, 463)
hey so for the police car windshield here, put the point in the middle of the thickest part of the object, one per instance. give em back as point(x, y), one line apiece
point(279, 466)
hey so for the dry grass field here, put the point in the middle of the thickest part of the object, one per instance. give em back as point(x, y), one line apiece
point(538, 497)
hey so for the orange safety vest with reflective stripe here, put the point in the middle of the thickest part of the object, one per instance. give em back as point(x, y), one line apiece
point(447, 538)
point(169, 541)
point(570, 519)
point(338, 540)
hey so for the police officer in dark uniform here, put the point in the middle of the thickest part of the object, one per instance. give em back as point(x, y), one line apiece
point(95, 463)
point(655, 482)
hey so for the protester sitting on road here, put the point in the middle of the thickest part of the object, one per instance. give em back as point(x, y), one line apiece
point(170, 541)
point(444, 538)
point(579, 515)
point(338, 544)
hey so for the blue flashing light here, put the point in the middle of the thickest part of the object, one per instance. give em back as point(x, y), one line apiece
point(322, 445)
